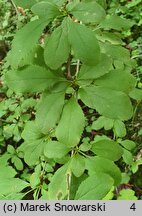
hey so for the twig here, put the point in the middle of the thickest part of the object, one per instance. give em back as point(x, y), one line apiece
point(14, 6)
point(77, 67)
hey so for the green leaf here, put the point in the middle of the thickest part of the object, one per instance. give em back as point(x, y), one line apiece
point(31, 131)
point(71, 124)
point(77, 165)
point(25, 40)
point(61, 85)
point(4, 158)
point(89, 12)
point(94, 187)
point(127, 157)
point(108, 149)
point(10, 149)
point(34, 180)
point(35, 57)
point(54, 149)
point(11, 185)
point(108, 123)
point(46, 9)
point(46, 116)
point(58, 187)
point(70, 6)
point(26, 3)
point(119, 128)
point(136, 94)
point(128, 144)
point(102, 122)
point(85, 147)
point(125, 178)
point(84, 43)
point(110, 194)
point(57, 48)
point(110, 103)
point(101, 137)
point(59, 2)
point(17, 162)
point(102, 165)
point(34, 144)
point(93, 72)
point(111, 37)
point(65, 159)
point(117, 80)
point(116, 22)
point(116, 52)
point(127, 194)
point(75, 182)
point(7, 172)
point(12, 196)
point(99, 123)
point(32, 150)
point(31, 79)
point(136, 164)
point(133, 3)
point(101, 2)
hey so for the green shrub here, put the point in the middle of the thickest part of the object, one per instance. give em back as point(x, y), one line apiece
point(71, 58)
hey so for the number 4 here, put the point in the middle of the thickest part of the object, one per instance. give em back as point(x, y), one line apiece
point(133, 207)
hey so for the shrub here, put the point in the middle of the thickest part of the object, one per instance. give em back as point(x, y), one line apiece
point(72, 57)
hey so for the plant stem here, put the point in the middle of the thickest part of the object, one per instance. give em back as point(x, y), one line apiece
point(28, 192)
point(69, 175)
point(134, 113)
point(14, 6)
point(83, 153)
point(8, 122)
point(77, 67)
point(69, 184)
point(42, 173)
point(68, 68)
